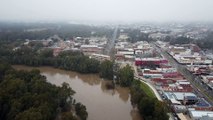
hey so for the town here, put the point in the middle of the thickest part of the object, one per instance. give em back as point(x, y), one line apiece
point(165, 59)
point(106, 60)
point(179, 74)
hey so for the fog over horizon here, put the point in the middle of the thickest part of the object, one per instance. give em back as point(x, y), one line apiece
point(107, 10)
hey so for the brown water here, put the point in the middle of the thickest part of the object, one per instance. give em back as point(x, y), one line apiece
point(101, 103)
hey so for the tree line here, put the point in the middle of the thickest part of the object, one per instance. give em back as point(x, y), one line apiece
point(150, 108)
point(67, 60)
point(38, 31)
point(28, 96)
point(136, 35)
point(204, 43)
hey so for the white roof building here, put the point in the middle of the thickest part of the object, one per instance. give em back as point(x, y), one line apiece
point(201, 115)
point(179, 96)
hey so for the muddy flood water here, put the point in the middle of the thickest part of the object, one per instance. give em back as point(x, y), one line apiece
point(101, 103)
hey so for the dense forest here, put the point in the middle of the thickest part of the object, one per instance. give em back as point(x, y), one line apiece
point(38, 31)
point(207, 42)
point(204, 43)
point(28, 96)
point(181, 40)
point(136, 35)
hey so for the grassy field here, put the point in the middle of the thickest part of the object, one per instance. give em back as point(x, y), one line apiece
point(147, 90)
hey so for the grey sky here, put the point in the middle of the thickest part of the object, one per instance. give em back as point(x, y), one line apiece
point(107, 10)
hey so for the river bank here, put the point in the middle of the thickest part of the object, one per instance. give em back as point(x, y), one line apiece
point(102, 103)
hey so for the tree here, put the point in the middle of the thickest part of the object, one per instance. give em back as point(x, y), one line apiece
point(206, 42)
point(146, 106)
point(46, 53)
point(81, 111)
point(31, 114)
point(28, 96)
point(126, 76)
point(149, 108)
point(136, 92)
point(68, 60)
point(68, 116)
point(4, 67)
point(152, 109)
point(180, 40)
point(167, 39)
point(136, 35)
point(106, 69)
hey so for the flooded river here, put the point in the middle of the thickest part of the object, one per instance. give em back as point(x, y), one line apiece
point(101, 103)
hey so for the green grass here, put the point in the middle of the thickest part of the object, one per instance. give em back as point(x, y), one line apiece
point(147, 90)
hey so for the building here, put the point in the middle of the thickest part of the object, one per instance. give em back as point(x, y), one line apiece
point(201, 115)
point(177, 86)
point(182, 97)
point(181, 116)
point(190, 100)
point(179, 108)
point(100, 57)
point(150, 61)
point(203, 105)
point(90, 49)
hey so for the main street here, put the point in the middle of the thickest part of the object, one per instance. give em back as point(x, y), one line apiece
point(196, 83)
point(109, 50)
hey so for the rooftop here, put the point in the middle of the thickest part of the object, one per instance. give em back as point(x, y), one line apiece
point(178, 95)
point(202, 103)
point(199, 114)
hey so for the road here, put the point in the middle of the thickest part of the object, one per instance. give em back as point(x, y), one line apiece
point(199, 89)
point(146, 81)
point(109, 50)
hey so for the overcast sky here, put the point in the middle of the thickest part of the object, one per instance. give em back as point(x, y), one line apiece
point(107, 10)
